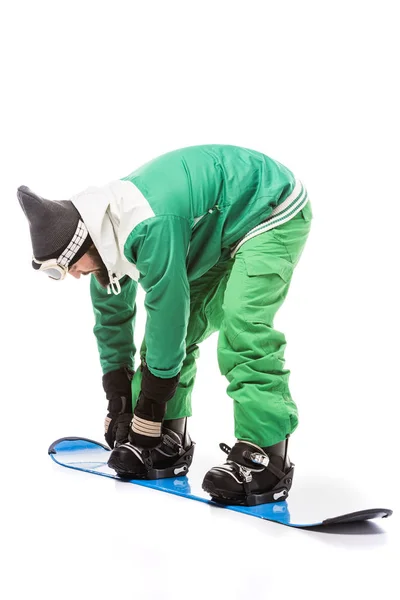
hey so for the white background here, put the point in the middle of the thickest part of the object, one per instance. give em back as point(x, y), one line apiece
point(90, 91)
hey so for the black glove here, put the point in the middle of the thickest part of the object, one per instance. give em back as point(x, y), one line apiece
point(150, 408)
point(117, 386)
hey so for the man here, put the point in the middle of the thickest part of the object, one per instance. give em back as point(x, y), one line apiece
point(212, 233)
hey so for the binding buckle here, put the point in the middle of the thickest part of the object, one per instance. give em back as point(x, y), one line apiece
point(259, 459)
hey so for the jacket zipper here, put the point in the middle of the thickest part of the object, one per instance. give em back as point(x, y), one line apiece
point(209, 212)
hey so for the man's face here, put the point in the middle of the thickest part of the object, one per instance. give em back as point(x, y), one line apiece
point(91, 262)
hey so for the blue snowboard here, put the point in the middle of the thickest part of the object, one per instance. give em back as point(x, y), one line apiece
point(87, 455)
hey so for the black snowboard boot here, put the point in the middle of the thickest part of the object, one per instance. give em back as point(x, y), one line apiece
point(171, 458)
point(251, 475)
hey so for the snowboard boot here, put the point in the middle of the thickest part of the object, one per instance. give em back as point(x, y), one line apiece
point(251, 475)
point(171, 458)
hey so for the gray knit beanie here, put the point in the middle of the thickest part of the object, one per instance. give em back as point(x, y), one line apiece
point(55, 225)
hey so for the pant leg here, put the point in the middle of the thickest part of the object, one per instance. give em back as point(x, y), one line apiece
point(250, 349)
point(206, 297)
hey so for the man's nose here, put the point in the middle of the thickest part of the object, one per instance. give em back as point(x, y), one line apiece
point(75, 274)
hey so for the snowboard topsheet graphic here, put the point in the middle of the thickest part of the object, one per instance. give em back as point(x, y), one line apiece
point(87, 455)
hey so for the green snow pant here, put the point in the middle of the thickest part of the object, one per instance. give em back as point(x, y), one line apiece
point(239, 298)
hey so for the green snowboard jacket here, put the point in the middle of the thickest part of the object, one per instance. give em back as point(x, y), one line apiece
point(164, 226)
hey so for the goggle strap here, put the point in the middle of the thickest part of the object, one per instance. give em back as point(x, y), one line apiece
point(70, 251)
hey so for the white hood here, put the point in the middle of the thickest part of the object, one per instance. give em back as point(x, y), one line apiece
point(110, 213)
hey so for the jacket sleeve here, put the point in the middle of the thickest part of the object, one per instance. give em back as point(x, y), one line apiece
point(114, 323)
point(159, 246)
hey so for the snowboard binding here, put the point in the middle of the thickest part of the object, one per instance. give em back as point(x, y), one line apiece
point(251, 475)
point(171, 458)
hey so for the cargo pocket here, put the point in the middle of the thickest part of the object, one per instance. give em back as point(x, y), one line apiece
point(268, 265)
point(268, 281)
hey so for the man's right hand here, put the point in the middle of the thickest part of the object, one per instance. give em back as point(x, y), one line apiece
point(117, 386)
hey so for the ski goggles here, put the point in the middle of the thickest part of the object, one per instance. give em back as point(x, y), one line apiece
point(51, 267)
